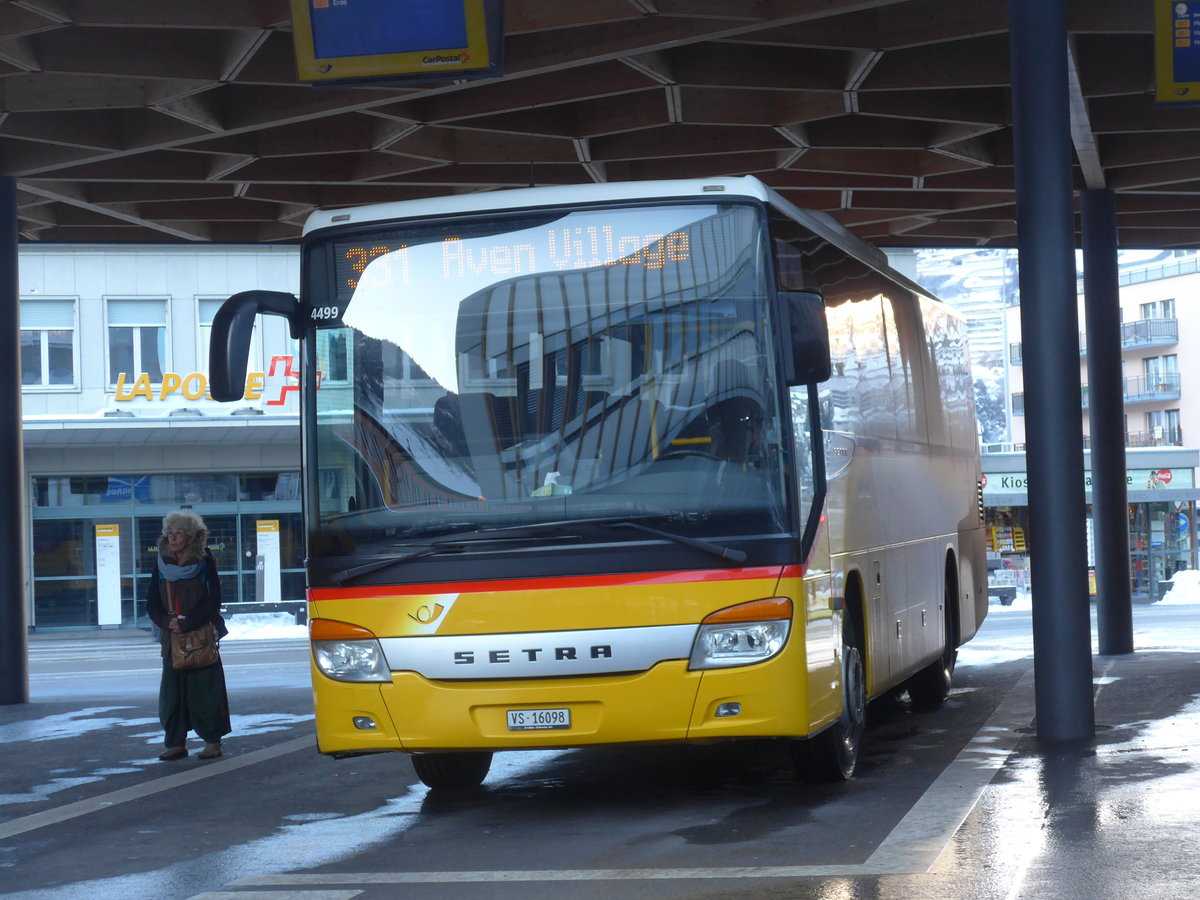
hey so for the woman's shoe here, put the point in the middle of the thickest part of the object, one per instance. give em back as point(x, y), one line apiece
point(178, 752)
point(211, 750)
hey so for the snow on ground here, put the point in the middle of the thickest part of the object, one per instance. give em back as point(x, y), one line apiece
point(1185, 589)
point(1023, 600)
point(260, 626)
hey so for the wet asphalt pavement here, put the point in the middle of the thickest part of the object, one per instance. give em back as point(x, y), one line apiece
point(961, 802)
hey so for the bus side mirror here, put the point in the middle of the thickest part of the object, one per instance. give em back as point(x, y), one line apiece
point(229, 344)
point(805, 338)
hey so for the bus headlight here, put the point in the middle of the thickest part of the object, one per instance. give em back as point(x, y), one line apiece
point(351, 660)
point(346, 652)
point(742, 635)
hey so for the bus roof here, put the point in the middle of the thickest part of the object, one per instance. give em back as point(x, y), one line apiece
point(524, 198)
point(747, 186)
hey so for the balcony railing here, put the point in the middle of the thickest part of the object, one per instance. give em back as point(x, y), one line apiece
point(1016, 350)
point(1152, 388)
point(1003, 447)
point(1017, 401)
point(1156, 437)
point(1134, 335)
point(1143, 389)
point(1149, 333)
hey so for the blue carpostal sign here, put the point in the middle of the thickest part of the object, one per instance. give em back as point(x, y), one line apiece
point(1177, 51)
point(369, 27)
point(365, 40)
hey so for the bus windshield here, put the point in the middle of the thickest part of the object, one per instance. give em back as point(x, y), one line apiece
point(592, 364)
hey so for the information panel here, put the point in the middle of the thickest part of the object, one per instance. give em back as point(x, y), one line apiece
point(108, 574)
point(267, 564)
point(1177, 51)
point(372, 40)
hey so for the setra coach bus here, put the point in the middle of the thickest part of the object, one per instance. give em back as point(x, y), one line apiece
point(621, 463)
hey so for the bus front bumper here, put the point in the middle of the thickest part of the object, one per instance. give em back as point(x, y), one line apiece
point(666, 704)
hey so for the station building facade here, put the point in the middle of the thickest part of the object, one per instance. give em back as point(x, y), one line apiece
point(119, 429)
point(1160, 332)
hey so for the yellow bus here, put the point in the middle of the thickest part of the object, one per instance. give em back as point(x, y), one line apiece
point(660, 462)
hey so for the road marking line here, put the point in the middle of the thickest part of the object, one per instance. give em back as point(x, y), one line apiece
point(276, 895)
point(920, 837)
point(501, 876)
point(158, 785)
point(911, 848)
point(230, 665)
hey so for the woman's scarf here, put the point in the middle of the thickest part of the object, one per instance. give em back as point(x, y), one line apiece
point(172, 572)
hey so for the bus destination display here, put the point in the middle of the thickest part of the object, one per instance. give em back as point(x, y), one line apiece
point(385, 263)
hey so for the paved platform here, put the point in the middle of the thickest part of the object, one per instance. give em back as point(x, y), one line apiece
point(1117, 818)
point(999, 816)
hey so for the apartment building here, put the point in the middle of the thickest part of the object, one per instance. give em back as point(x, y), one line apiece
point(118, 428)
point(1160, 326)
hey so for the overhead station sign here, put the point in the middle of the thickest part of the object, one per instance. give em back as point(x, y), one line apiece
point(396, 40)
point(1177, 51)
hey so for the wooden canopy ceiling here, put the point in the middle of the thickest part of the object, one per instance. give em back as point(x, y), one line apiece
point(160, 120)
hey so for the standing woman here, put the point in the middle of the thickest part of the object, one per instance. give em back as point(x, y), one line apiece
point(185, 594)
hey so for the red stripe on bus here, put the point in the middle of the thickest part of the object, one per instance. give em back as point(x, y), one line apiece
point(563, 582)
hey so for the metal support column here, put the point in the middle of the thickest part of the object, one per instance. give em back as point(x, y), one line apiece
point(1050, 355)
point(1106, 406)
point(14, 633)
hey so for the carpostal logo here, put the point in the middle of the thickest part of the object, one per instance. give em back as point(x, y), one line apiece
point(446, 59)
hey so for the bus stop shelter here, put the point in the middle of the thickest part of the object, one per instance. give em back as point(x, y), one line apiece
point(916, 123)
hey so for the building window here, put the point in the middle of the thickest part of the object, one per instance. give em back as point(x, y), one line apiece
point(137, 339)
point(1162, 428)
point(47, 343)
point(1018, 404)
point(1014, 353)
point(400, 368)
point(1158, 309)
point(1154, 366)
point(206, 309)
point(333, 349)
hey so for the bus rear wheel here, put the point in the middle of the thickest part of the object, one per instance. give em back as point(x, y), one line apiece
point(452, 771)
point(832, 755)
point(930, 688)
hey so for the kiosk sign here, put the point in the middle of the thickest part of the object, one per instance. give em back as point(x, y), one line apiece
point(1009, 483)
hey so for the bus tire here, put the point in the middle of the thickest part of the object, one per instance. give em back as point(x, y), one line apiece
point(832, 755)
point(452, 771)
point(930, 688)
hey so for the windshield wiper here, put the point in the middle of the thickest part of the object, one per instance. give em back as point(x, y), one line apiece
point(529, 528)
point(565, 525)
point(483, 535)
point(706, 546)
point(479, 535)
point(366, 568)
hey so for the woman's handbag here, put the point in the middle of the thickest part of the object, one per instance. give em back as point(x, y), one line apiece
point(195, 649)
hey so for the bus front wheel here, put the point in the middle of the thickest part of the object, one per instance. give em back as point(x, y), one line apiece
point(449, 771)
point(833, 754)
